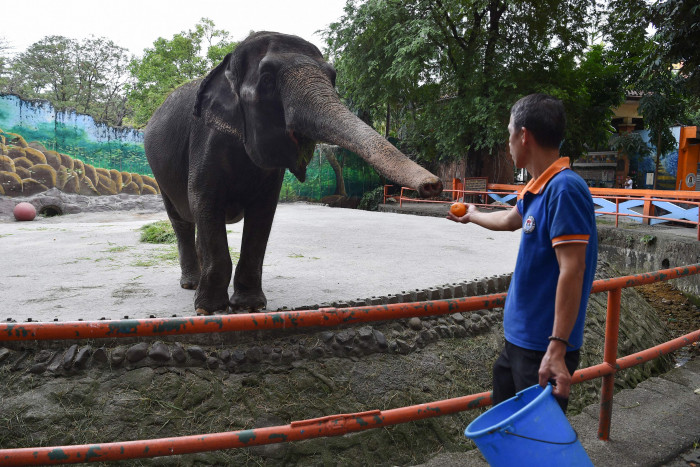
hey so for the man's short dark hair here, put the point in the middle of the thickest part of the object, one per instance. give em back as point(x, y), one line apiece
point(543, 116)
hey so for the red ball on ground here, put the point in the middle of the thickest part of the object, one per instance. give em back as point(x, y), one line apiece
point(24, 212)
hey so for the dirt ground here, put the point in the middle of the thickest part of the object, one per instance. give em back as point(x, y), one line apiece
point(676, 309)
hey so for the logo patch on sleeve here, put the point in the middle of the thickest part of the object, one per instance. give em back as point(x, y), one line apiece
point(529, 225)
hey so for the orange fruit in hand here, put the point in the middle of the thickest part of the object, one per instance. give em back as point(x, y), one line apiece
point(458, 209)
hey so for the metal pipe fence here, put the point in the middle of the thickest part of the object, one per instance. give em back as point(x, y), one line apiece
point(333, 425)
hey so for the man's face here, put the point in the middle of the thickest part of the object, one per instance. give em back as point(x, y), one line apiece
point(515, 143)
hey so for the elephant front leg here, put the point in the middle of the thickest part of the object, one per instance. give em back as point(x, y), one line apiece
point(216, 267)
point(247, 281)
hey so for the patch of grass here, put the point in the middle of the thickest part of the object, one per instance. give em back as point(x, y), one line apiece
point(235, 255)
point(158, 232)
point(4, 235)
point(117, 249)
point(648, 239)
point(299, 255)
point(166, 255)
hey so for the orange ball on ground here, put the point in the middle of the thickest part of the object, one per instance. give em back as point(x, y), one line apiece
point(24, 212)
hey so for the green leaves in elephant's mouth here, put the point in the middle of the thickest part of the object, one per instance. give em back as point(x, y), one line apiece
point(305, 151)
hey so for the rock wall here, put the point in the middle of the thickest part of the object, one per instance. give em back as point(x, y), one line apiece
point(66, 131)
point(29, 168)
point(641, 249)
point(116, 390)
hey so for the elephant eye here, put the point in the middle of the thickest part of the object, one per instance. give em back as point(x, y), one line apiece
point(267, 82)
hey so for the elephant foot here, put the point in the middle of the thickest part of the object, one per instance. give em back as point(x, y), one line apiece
point(204, 305)
point(248, 302)
point(189, 282)
point(203, 312)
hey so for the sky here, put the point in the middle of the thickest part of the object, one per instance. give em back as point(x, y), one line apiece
point(136, 24)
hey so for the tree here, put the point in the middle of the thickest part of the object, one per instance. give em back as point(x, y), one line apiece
point(649, 63)
point(4, 49)
point(677, 25)
point(447, 71)
point(171, 63)
point(329, 151)
point(49, 69)
point(87, 76)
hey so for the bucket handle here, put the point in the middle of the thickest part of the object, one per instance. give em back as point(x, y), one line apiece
point(542, 440)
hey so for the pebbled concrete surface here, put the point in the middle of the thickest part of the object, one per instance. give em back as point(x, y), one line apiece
point(91, 265)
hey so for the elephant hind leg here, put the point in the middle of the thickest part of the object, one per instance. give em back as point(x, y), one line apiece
point(189, 259)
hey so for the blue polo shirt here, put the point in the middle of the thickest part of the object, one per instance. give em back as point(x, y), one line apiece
point(556, 209)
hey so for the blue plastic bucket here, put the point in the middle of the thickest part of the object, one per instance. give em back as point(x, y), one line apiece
point(528, 429)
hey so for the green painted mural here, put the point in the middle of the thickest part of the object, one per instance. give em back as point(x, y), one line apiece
point(121, 149)
point(358, 177)
point(77, 135)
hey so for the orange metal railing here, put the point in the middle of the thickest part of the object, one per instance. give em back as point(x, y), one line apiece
point(652, 202)
point(335, 425)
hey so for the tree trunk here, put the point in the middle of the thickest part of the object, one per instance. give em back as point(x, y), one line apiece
point(388, 120)
point(329, 152)
point(658, 158)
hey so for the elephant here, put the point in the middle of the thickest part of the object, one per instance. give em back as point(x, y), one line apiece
point(219, 147)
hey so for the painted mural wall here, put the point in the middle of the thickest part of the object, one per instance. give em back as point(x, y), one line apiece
point(122, 149)
point(75, 134)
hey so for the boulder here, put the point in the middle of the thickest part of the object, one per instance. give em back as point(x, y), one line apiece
point(131, 188)
point(79, 168)
point(148, 190)
point(106, 185)
point(126, 178)
point(116, 177)
point(23, 162)
point(67, 161)
point(14, 152)
point(7, 164)
point(136, 178)
point(37, 145)
point(53, 159)
point(32, 187)
point(15, 139)
point(91, 173)
point(34, 155)
point(87, 188)
point(23, 172)
point(11, 183)
point(150, 181)
point(44, 174)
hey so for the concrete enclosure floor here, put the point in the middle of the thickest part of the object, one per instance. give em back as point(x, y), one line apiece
point(92, 265)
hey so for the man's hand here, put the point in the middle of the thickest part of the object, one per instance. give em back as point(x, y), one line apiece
point(554, 368)
point(471, 209)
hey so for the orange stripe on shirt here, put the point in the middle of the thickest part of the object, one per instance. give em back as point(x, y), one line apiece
point(570, 239)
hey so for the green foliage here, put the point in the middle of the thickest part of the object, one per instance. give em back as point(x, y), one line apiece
point(88, 76)
point(677, 25)
point(447, 72)
point(320, 178)
point(171, 63)
point(633, 145)
point(158, 232)
point(372, 199)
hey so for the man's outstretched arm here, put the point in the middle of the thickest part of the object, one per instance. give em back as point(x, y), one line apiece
point(496, 220)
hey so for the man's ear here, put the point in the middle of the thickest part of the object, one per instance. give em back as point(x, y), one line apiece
point(218, 101)
point(525, 136)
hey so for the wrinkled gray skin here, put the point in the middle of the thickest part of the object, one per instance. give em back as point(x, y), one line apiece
point(219, 146)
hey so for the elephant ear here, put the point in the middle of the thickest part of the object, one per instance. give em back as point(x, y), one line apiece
point(218, 101)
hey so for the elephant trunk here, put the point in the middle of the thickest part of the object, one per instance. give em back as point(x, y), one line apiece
point(313, 109)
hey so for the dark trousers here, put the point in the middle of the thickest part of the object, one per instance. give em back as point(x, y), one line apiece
point(517, 369)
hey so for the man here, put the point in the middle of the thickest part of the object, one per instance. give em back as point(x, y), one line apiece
point(546, 305)
point(628, 183)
